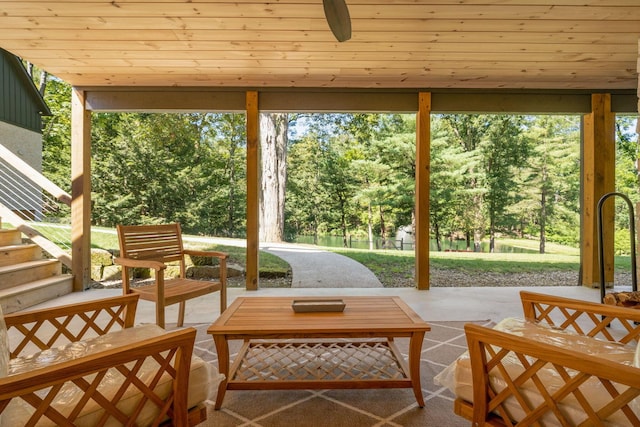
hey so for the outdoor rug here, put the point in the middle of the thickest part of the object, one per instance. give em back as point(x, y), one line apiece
point(348, 408)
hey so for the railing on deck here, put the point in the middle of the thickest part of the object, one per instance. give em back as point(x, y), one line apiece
point(35, 206)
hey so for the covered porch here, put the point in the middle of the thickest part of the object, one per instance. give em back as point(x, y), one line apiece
point(421, 57)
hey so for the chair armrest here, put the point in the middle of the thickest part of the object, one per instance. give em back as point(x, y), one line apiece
point(49, 327)
point(140, 263)
point(214, 254)
point(69, 386)
point(509, 371)
point(583, 317)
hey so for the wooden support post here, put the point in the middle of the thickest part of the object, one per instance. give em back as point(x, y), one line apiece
point(638, 162)
point(80, 191)
point(253, 190)
point(423, 181)
point(598, 179)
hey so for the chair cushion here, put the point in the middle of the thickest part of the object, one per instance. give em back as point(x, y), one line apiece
point(18, 411)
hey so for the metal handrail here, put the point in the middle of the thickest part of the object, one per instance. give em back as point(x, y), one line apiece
point(18, 179)
point(632, 232)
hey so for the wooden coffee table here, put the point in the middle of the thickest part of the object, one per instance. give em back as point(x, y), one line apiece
point(352, 349)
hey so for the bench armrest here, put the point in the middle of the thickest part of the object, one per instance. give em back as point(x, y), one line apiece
point(520, 369)
point(50, 327)
point(140, 263)
point(213, 254)
point(119, 369)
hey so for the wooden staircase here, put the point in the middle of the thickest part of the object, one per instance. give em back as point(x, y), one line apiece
point(28, 278)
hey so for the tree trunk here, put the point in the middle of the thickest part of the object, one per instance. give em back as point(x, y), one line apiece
point(42, 86)
point(478, 224)
point(436, 229)
point(370, 226)
point(492, 233)
point(413, 230)
point(232, 185)
point(543, 222)
point(343, 222)
point(273, 143)
point(383, 228)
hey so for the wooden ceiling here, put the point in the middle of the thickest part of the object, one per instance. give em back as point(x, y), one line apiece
point(485, 44)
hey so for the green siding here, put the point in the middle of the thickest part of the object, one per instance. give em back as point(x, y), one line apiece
point(20, 102)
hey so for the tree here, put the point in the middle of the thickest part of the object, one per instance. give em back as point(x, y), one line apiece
point(273, 143)
point(448, 168)
point(549, 186)
point(41, 81)
point(504, 151)
point(306, 198)
point(394, 149)
point(226, 137)
point(340, 184)
point(150, 168)
point(56, 135)
point(467, 131)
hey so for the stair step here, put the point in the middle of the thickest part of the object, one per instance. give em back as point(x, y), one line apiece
point(16, 254)
point(17, 274)
point(29, 294)
point(10, 237)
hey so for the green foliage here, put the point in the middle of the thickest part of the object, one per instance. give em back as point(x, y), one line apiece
point(350, 172)
point(501, 175)
point(56, 135)
point(622, 242)
point(549, 185)
point(154, 168)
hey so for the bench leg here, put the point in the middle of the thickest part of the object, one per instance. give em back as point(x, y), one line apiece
point(181, 306)
point(160, 314)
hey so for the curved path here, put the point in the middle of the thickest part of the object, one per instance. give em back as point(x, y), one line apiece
point(316, 268)
point(311, 267)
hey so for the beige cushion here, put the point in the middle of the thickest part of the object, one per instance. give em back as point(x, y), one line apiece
point(18, 411)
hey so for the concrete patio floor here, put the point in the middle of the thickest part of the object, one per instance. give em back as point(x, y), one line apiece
point(436, 304)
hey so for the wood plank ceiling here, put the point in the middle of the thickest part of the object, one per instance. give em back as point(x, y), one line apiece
point(489, 44)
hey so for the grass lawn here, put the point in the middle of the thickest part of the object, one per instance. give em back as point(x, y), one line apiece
point(386, 263)
point(559, 258)
point(106, 238)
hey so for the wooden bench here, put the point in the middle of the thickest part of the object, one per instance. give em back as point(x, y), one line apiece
point(153, 246)
point(86, 364)
point(580, 375)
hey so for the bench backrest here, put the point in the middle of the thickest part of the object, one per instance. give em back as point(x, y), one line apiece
point(602, 321)
point(156, 242)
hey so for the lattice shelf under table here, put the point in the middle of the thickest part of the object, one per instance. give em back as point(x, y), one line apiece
point(319, 364)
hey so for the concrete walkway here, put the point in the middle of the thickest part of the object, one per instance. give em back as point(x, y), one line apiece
point(316, 268)
point(311, 267)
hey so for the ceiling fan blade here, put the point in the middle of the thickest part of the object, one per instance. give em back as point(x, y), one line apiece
point(338, 18)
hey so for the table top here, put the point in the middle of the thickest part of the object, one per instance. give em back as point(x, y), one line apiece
point(362, 316)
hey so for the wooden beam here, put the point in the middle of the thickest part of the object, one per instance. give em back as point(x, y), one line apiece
point(598, 178)
point(313, 100)
point(253, 190)
point(80, 191)
point(163, 100)
point(423, 160)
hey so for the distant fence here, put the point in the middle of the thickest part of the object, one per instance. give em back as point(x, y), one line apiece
point(379, 243)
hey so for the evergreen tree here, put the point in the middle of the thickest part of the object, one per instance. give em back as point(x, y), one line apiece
point(548, 195)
